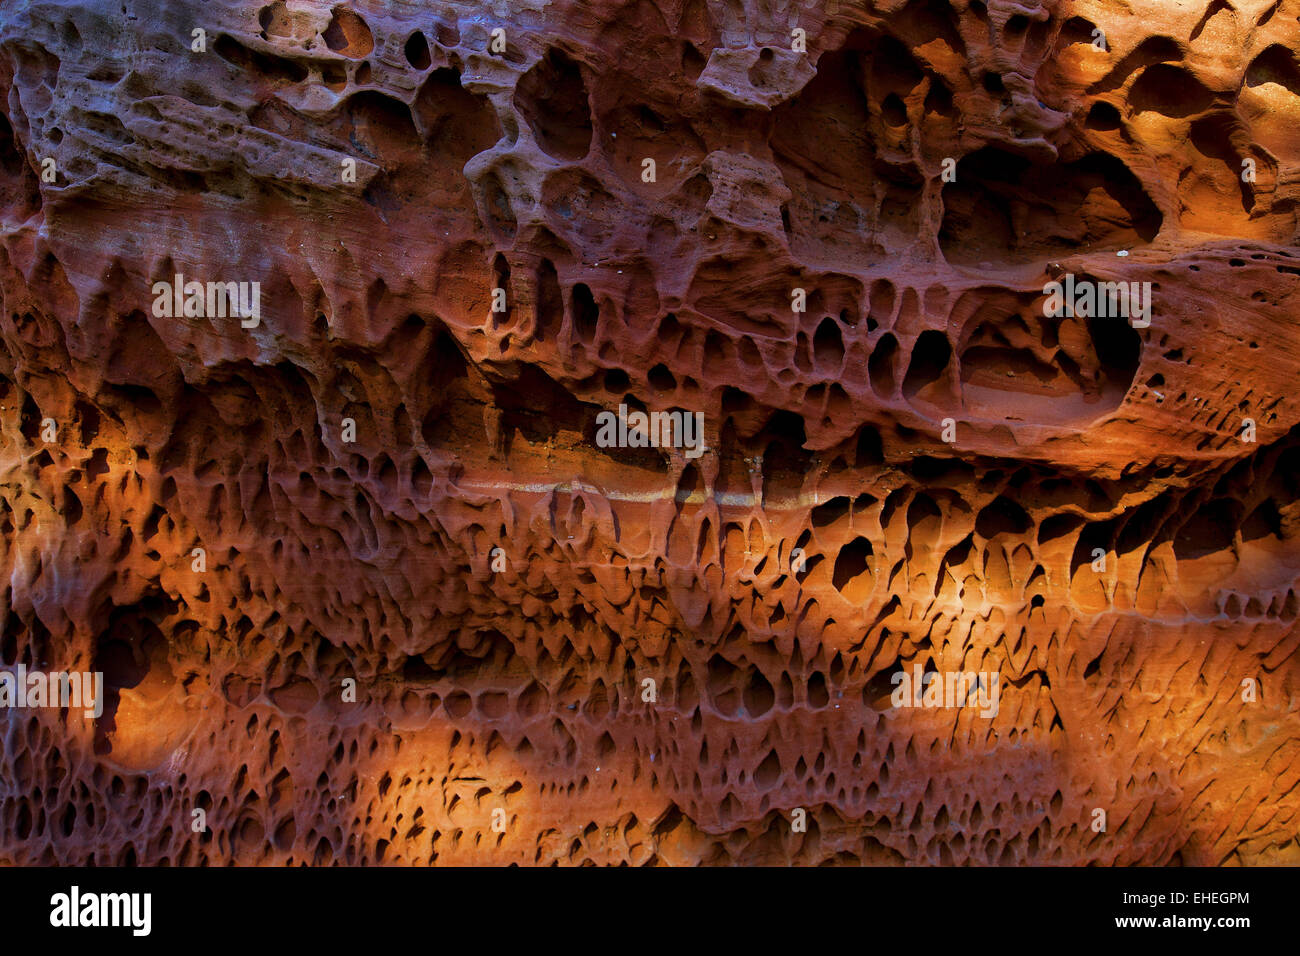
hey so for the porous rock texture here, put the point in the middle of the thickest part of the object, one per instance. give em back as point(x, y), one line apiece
point(515, 680)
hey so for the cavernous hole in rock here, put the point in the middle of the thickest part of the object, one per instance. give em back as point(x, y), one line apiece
point(869, 450)
point(416, 51)
point(785, 460)
point(586, 313)
point(938, 99)
point(882, 365)
point(831, 512)
point(722, 685)
point(1058, 526)
point(550, 302)
point(501, 280)
point(1144, 527)
point(616, 381)
point(662, 379)
point(500, 212)
point(1214, 137)
point(952, 472)
point(447, 370)
point(1002, 516)
point(1118, 347)
point(924, 521)
point(931, 356)
point(1095, 541)
point(921, 21)
point(132, 653)
point(759, 695)
point(448, 34)
point(1220, 16)
point(893, 70)
point(1170, 90)
point(1152, 50)
point(1102, 117)
point(1210, 529)
point(1265, 521)
point(828, 345)
point(552, 96)
point(828, 214)
point(474, 651)
point(12, 161)
point(538, 409)
point(25, 642)
point(882, 301)
point(274, 20)
point(335, 76)
point(256, 64)
point(633, 132)
point(1276, 65)
point(349, 35)
point(693, 61)
point(688, 485)
point(416, 670)
point(879, 689)
point(852, 570)
point(1076, 30)
point(1003, 207)
point(456, 124)
point(382, 128)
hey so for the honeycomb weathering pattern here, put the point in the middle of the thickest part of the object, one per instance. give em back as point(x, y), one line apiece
point(514, 680)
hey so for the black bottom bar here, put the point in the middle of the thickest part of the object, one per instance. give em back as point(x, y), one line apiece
point(575, 910)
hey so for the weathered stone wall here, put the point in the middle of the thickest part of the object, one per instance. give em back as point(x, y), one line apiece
point(838, 257)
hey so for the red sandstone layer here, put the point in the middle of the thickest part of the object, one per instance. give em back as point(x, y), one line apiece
point(465, 604)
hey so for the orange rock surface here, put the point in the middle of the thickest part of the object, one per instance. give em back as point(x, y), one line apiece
point(465, 604)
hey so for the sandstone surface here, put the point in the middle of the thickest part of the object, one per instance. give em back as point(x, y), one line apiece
point(919, 469)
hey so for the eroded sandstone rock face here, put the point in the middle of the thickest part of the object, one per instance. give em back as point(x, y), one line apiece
point(466, 604)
